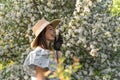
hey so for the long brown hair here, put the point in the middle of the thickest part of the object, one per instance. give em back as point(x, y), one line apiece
point(42, 40)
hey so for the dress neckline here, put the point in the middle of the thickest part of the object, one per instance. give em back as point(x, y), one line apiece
point(38, 47)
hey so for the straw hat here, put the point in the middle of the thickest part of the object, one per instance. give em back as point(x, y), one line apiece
point(40, 26)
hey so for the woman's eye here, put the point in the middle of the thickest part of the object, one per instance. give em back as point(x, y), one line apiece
point(51, 29)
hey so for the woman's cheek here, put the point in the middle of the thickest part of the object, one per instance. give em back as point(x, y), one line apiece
point(50, 37)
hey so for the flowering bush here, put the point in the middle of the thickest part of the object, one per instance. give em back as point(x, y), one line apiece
point(89, 30)
point(96, 30)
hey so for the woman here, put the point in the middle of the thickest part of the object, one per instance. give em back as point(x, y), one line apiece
point(41, 62)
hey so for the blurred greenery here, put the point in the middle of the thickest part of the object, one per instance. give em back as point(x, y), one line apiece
point(65, 73)
point(116, 7)
point(2, 66)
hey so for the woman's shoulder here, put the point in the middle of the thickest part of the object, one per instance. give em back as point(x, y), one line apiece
point(39, 51)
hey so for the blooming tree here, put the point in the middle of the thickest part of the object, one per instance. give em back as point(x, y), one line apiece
point(89, 30)
point(96, 30)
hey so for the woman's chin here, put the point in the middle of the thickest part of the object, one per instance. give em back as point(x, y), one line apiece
point(52, 39)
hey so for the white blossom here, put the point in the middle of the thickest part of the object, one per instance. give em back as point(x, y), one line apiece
point(1, 6)
point(18, 14)
point(67, 53)
point(103, 57)
point(92, 46)
point(86, 9)
point(32, 19)
point(108, 34)
point(90, 3)
point(94, 52)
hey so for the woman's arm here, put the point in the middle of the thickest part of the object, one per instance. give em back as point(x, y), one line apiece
point(40, 73)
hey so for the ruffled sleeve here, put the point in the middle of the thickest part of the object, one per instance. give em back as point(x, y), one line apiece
point(38, 57)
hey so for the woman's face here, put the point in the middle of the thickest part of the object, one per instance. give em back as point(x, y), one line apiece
point(50, 33)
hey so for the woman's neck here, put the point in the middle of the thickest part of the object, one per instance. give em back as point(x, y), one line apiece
point(48, 45)
point(48, 42)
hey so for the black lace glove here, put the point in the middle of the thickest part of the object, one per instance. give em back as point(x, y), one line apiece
point(58, 42)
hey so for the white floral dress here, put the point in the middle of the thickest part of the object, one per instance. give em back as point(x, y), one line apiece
point(41, 58)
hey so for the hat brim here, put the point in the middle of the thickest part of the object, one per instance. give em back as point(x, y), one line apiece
point(54, 23)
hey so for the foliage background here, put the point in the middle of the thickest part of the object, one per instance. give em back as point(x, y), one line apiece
point(90, 28)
